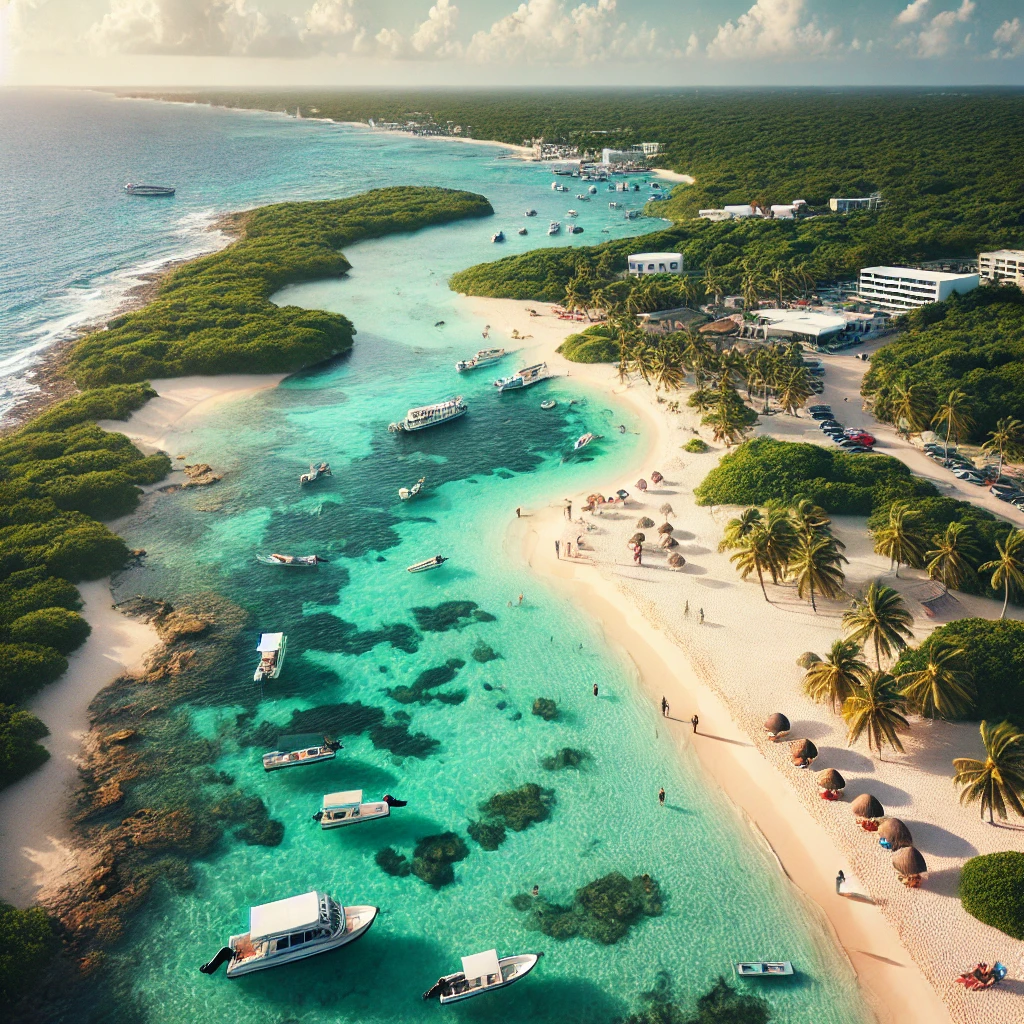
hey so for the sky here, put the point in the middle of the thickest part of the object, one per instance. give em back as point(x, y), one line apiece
point(496, 43)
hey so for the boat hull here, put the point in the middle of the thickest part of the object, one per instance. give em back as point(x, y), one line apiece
point(367, 812)
point(276, 766)
point(765, 969)
point(520, 965)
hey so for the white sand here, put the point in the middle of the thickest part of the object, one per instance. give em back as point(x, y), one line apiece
point(664, 172)
point(739, 667)
point(35, 849)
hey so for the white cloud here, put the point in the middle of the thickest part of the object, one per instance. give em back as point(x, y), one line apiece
point(772, 28)
point(912, 12)
point(1009, 39)
point(435, 36)
point(692, 44)
point(936, 38)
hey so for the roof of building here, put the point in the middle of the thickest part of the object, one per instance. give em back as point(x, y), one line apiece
point(920, 275)
point(678, 256)
point(802, 321)
point(1015, 253)
point(290, 915)
point(683, 313)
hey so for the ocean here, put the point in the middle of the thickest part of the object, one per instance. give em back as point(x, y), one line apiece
point(447, 664)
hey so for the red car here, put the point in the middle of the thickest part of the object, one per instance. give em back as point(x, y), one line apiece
point(862, 438)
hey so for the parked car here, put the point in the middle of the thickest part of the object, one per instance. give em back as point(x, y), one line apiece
point(968, 477)
point(819, 408)
point(821, 415)
point(1006, 495)
point(858, 449)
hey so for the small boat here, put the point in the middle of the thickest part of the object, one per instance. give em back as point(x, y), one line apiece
point(292, 929)
point(524, 378)
point(764, 969)
point(582, 442)
point(297, 561)
point(632, 214)
point(482, 972)
point(531, 213)
point(315, 472)
point(592, 190)
point(340, 809)
point(554, 227)
point(498, 236)
point(523, 231)
point(548, 403)
point(614, 206)
point(149, 190)
point(485, 357)
point(575, 229)
point(431, 415)
point(431, 563)
point(299, 750)
point(572, 213)
point(271, 649)
point(405, 493)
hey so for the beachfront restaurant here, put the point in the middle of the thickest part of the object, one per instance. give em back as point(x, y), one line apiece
point(817, 329)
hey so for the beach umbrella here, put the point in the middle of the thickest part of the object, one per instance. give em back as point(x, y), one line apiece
point(866, 806)
point(908, 861)
point(831, 779)
point(803, 748)
point(644, 523)
point(665, 528)
point(642, 484)
point(656, 477)
point(807, 659)
point(676, 560)
point(895, 833)
point(622, 494)
point(637, 538)
point(668, 541)
point(666, 510)
point(776, 724)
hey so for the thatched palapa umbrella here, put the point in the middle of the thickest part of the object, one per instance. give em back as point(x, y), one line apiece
point(775, 725)
point(676, 560)
point(656, 478)
point(641, 484)
point(803, 748)
point(909, 862)
point(668, 541)
point(666, 510)
point(807, 659)
point(665, 528)
point(895, 833)
point(866, 806)
point(637, 538)
point(644, 523)
point(831, 780)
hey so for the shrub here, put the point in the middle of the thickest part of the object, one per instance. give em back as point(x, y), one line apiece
point(992, 890)
point(117, 402)
point(26, 668)
point(596, 344)
point(28, 940)
point(19, 752)
point(58, 628)
point(696, 446)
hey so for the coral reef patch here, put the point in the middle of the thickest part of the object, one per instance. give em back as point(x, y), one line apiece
point(420, 690)
point(432, 859)
point(449, 615)
point(326, 632)
point(567, 757)
point(516, 809)
point(546, 708)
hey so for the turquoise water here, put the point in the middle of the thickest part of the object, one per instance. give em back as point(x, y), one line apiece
point(353, 633)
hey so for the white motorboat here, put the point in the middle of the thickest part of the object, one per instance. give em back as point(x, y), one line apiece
point(405, 493)
point(347, 808)
point(572, 213)
point(271, 650)
point(614, 206)
point(299, 750)
point(485, 357)
point(292, 929)
point(295, 561)
point(482, 972)
point(764, 969)
point(498, 236)
point(149, 190)
point(315, 472)
point(524, 378)
point(431, 563)
point(592, 190)
point(554, 227)
point(548, 403)
point(431, 415)
point(582, 442)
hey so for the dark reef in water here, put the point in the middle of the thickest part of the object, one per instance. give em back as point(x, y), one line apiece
point(567, 757)
point(420, 691)
point(253, 825)
point(326, 632)
point(432, 859)
point(546, 708)
point(721, 1004)
point(449, 615)
point(484, 653)
point(604, 910)
point(516, 809)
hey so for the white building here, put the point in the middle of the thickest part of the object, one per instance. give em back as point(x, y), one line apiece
point(1004, 265)
point(872, 202)
point(633, 155)
point(897, 289)
point(642, 263)
point(713, 215)
point(743, 210)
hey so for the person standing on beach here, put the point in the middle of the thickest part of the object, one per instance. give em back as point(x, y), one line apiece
point(520, 598)
point(595, 689)
point(664, 708)
point(702, 616)
point(840, 878)
point(519, 512)
point(661, 796)
point(557, 554)
point(695, 721)
point(686, 609)
point(568, 511)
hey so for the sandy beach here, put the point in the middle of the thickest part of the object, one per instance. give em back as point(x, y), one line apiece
point(674, 176)
point(739, 666)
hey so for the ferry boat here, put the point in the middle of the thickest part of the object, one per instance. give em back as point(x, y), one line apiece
point(431, 415)
point(524, 378)
point(149, 190)
point(498, 236)
point(764, 969)
point(299, 750)
point(271, 651)
point(482, 972)
point(485, 357)
point(315, 472)
point(340, 809)
point(405, 493)
point(292, 929)
point(554, 227)
point(431, 563)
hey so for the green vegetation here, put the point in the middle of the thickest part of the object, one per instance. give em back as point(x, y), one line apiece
point(992, 890)
point(595, 344)
point(214, 315)
point(971, 344)
point(696, 446)
point(28, 940)
point(58, 628)
point(19, 752)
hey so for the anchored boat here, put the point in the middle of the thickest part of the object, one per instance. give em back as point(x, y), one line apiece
point(431, 563)
point(582, 442)
point(498, 236)
point(315, 472)
point(764, 969)
point(405, 493)
point(531, 213)
point(554, 227)
point(271, 650)
point(482, 972)
point(431, 415)
point(548, 403)
point(149, 190)
point(524, 378)
point(292, 929)
point(340, 809)
point(295, 561)
point(485, 357)
point(299, 750)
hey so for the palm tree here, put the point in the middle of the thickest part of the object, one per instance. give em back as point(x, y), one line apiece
point(794, 389)
point(912, 407)
point(1005, 439)
point(727, 424)
point(814, 564)
point(999, 779)
point(1008, 569)
point(901, 540)
point(737, 530)
point(751, 286)
point(666, 367)
point(882, 618)
point(810, 520)
point(838, 676)
point(715, 282)
point(876, 709)
point(780, 540)
point(952, 556)
point(780, 279)
point(698, 353)
point(944, 688)
point(753, 556)
point(953, 412)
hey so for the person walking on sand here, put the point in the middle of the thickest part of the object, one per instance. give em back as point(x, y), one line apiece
point(664, 708)
point(595, 689)
point(695, 721)
point(661, 796)
point(686, 609)
point(702, 616)
point(568, 511)
point(519, 512)
point(840, 879)
point(557, 553)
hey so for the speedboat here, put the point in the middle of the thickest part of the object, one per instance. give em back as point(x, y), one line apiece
point(299, 750)
point(482, 972)
point(271, 650)
point(498, 236)
point(485, 357)
point(340, 809)
point(614, 206)
point(431, 563)
point(524, 378)
point(296, 561)
point(405, 493)
point(572, 213)
point(554, 227)
point(582, 442)
point(431, 415)
point(149, 190)
point(523, 231)
point(764, 969)
point(292, 929)
point(548, 403)
point(315, 472)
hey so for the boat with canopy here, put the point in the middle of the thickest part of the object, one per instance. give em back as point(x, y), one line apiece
point(434, 415)
point(299, 749)
point(482, 972)
point(405, 493)
point(485, 357)
point(348, 808)
point(524, 378)
point(764, 969)
point(271, 650)
point(296, 561)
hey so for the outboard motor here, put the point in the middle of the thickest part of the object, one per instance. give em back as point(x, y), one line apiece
point(318, 816)
point(393, 801)
point(439, 988)
point(223, 956)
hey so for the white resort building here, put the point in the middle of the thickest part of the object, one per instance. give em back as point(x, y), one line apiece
point(641, 263)
point(872, 202)
point(898, 289)
point(818, 327)
point(1004, 265)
